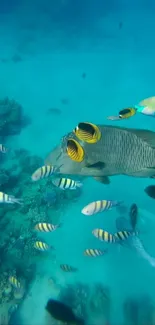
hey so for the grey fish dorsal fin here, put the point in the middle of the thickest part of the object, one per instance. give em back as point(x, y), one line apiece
point(146, 135)
point(102, 179)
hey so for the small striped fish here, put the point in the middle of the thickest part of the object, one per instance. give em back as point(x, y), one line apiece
point(66, 183)
point(46, 227)
point(99, 206)
point(42, 172)
point(14, 282)
point(124, 234)
point(94, 252)
point(10, 199)
point(41, 246)
point(134, 242)
point(68, 268)
point(104, 235)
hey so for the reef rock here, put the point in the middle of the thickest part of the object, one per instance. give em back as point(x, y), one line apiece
point(12, 119)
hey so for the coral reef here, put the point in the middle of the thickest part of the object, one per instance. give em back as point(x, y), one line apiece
point(101, 304)
point(85, 300)
point(12, 119)
point(10, 297)
point(40, 200)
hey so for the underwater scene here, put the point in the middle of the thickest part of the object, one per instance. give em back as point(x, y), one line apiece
point(77, 157)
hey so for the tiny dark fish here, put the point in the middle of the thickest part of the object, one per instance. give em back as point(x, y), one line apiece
point(16, 58)
point(4, 60)
point(83, 75)
point(68, 268)
point(61, 312)
point(54, 111)
point(120, 25)
point(65, 101)
point(133, 214)
point(150, 191)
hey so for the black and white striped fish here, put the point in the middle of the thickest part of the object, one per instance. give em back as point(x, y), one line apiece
point(66, 183)
point(42, 172)
point(99, 206)
point(46, 227)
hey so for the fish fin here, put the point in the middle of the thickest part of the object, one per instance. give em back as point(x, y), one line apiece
point(98, 165)
point(59, 225)
point(146, 135)
point(102, 179)
point(79, 184)
point(146, 172)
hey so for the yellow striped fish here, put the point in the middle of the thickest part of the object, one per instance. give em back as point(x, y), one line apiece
point(14, 282)
point(104, 235)
point(87, 132)
point(124, 114)
point(41, 246)
point(68, 268)
point(10, 199)
point(46, 227)
point(99, 206)
point(74, 150)
point(42, 172)
point(94, 252)
point(66, 183)
point(124, 234)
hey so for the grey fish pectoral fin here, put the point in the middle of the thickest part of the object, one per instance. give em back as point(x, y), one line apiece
point(102, 179)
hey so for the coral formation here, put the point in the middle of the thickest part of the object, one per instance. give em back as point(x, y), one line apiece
point(42, 202)
point(12, 119)
point(85, 299)
point(17, 221)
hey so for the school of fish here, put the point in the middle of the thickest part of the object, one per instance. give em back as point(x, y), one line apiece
point(98, 151)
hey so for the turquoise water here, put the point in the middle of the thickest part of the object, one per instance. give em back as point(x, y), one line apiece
point(45, 49)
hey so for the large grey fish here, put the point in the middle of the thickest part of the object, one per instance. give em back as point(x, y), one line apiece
point(102, 150)
point(133, 241)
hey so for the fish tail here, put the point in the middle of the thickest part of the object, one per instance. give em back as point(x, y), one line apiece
point(59, 225)
point(57, 169)
point(15, 200)
point(118, 203)
point(52, 248)
point(79, 184)
point(18, 201)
